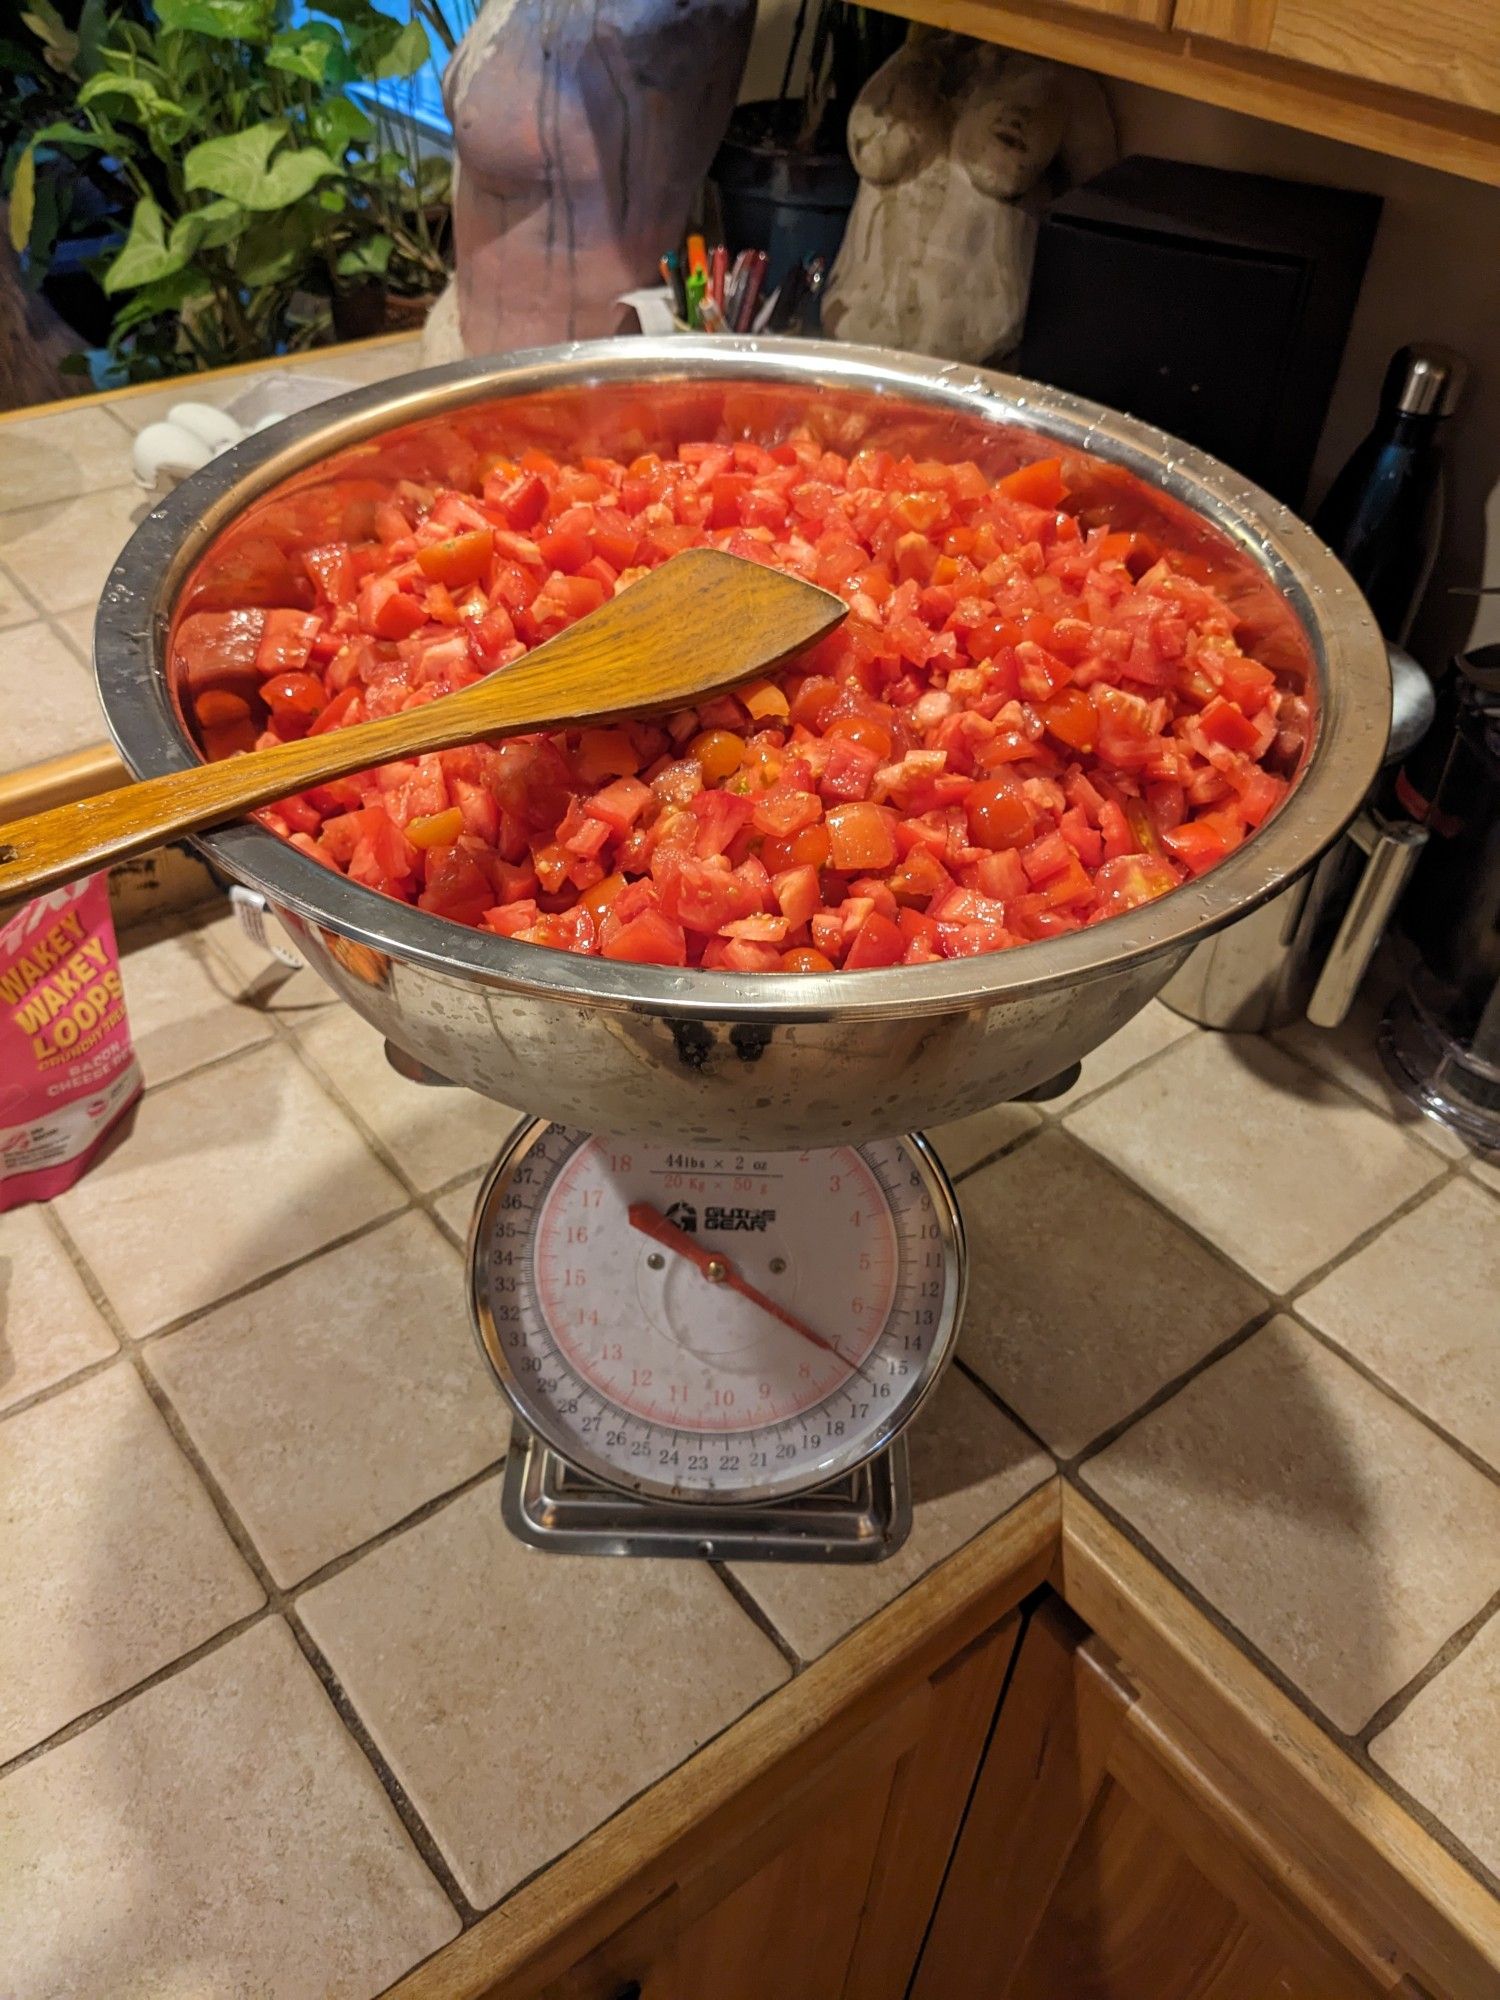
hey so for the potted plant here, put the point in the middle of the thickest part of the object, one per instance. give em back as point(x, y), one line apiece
point(261, 190)
point(783, 176)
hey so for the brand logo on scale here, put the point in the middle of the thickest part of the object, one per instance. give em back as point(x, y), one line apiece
point(685, 1216)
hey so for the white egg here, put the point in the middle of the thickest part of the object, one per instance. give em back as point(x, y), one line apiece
point(167, 448)
point(204, 421)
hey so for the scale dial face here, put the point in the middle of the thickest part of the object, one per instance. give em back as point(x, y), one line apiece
point(700, 1325)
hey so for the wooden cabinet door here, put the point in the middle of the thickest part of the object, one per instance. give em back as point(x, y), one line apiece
point(1147, 13)
point(829, 1896)
point(1445, 49)
point(1101, 1860)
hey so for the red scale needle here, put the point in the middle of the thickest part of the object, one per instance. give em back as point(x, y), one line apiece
point(716, 1266)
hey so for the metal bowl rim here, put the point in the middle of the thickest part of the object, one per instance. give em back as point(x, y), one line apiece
point(134, 614)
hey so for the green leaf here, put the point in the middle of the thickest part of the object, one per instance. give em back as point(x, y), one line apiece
point(167, 295)
point(146, 255)
point(408, 53)
point(137, 90)
point(315, 50)
point(23, 200)
point(339, 124)
point(224, 20)
point(208, 228)
point(63, 134)
point(53, 32)
point(240, 166)
point(368, 259)
point(276, 247)
point(92, 24)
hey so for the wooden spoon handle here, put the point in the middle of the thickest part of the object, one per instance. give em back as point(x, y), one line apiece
point(701, 623)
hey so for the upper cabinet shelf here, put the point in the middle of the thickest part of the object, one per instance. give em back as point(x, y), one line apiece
point(1418, 79)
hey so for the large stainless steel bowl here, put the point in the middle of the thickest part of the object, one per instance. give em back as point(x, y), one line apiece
point(712, 1057)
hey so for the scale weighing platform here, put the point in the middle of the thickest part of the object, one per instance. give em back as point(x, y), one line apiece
point(713, 1352)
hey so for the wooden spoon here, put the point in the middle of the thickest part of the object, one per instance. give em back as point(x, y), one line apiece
point(702, 622)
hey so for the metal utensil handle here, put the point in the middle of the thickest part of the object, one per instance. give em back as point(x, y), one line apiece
point(1391, 849)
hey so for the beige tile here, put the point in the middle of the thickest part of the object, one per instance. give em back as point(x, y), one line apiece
point(178, 1018)
point(219, 391)
point(1444, 1746)
point(46, 696)
point(49, 1326)
point(379, 361)
point(77, 627)
point(969, 1463)
point(255, 978)
point(1420, 1307)
point(1274, 1164)
point(61, 456)
point(338, 1398)
point(519, 1699)
point(1485, 1168)
point(225, 1176)
point(1145, 1034)
point(16, 608)
point(966, 1141)
point(1349, 1055)
point(455, 1209)
point(433, 1132)
point(113, 1561)
point(1084, 1299)
point(64, 550)
point(1339, 1534)
point(220, 1835)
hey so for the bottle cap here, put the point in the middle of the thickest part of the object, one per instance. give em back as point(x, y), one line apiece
point(1427, 381)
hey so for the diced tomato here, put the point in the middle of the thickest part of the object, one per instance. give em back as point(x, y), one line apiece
point(459, 561)
point(862, 838)
point(649, 939)
point(1039, 484)
point(1029, 721)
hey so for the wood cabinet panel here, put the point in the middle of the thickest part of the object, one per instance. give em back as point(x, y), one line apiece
point(1448, 50)
point(1102, 1859)
point(1149, 13)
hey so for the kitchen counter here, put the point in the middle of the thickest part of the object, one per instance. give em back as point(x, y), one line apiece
point(283, 1709)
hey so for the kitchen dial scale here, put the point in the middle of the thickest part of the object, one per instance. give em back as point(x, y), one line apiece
point(713, 1352)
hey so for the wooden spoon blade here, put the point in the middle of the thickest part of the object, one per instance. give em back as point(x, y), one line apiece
point(702, 622)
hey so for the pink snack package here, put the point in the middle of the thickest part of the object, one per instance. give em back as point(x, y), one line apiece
point(68, 1071)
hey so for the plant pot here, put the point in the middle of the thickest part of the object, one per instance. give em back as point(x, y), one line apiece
point(789, 202)
point(360, 311)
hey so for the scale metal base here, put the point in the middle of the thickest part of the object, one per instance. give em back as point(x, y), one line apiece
point(550, 1504)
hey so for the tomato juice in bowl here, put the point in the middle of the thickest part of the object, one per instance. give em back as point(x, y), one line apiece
point(975, 836)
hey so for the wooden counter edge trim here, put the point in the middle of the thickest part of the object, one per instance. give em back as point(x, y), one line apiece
point(59, 781)
point(1455, 139)
point(184, 385)
point(623, 1865)
point(1407, 1883)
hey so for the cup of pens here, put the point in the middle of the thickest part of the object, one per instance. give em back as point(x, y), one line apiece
point(714, 293)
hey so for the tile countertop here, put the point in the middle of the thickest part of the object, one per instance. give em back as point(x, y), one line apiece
point(267, 1646)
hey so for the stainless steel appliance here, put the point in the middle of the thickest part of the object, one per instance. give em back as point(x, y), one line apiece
point(1441, 1036)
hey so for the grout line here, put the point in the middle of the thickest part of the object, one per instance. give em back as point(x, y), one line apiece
point(416, 1827)
point(1456, 1643)
point(1429, 1422)
point(101, 1711)
point(1010, 1146)
point(1352, 1747)
point(1242, 1334)
point(993, 1396)
point(758, 1617)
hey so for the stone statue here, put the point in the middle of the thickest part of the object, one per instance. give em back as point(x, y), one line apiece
point(582, 133)
point(946, 137)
